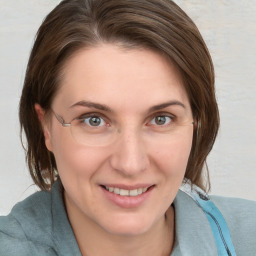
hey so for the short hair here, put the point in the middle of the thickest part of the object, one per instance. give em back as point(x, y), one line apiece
point(158, 25)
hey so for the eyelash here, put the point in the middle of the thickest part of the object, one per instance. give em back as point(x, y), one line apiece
point(162, 114)
point(90, 115)
point(107, 121)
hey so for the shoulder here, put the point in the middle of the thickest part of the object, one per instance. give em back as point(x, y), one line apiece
point(239, 211)
point(240, 215)
point(235, 205)
point(27, 226)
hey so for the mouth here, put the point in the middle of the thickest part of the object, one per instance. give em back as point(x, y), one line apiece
point(127, 197)
point(127, 192)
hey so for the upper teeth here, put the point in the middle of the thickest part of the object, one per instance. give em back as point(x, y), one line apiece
point(124, 192)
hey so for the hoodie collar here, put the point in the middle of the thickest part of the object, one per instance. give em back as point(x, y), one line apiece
point(193, 234)
point(63, 236)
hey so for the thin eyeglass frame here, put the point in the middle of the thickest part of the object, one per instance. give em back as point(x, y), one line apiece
point(62, 121)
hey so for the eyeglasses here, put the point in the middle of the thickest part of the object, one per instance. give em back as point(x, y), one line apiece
point(96, 130)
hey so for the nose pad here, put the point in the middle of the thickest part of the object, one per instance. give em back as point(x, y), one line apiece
point(129, 155)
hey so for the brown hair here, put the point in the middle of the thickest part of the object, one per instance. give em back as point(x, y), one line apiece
point(155, 24)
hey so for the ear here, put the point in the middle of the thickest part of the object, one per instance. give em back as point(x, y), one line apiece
point(41, 117)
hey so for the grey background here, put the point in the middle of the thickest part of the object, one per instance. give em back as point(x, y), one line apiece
point(229, 29)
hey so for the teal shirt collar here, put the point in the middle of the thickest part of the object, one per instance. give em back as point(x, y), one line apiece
point(193, 233)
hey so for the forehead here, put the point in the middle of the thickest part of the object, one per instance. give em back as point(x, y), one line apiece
point(119, 77)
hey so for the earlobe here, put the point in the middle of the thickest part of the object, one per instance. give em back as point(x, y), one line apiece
point(41, 117)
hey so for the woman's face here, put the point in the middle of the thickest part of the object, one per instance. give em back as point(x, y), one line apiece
point(135, 97)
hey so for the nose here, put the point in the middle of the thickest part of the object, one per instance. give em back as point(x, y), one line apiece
point(129, 156)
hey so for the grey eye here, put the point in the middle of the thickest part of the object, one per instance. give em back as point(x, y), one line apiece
point(160, 120)
point(94, 121)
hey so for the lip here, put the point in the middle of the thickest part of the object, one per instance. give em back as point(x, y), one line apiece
point(127, 201)
point(128, 187)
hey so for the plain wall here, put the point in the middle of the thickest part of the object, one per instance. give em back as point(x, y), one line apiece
point(229, 29)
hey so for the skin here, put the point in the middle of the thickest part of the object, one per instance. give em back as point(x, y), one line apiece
point(129, 82)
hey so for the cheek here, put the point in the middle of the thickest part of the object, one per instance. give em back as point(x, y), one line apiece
point(73, 160)
point(172, 158)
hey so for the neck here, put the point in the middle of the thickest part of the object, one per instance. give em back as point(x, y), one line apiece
point(93, 240)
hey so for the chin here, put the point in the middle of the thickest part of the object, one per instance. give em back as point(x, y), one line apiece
point(129, 226)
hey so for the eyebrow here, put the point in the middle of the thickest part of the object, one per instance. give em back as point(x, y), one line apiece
point(90, 104)
point(103, 107)
point(166, 104)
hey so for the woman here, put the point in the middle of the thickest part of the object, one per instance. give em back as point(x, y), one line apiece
point(119, 109)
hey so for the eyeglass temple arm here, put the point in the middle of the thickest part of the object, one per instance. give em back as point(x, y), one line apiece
point(61, 120)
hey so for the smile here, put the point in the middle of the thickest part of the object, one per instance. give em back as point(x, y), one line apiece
point(124, 192)
point(126, 196)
